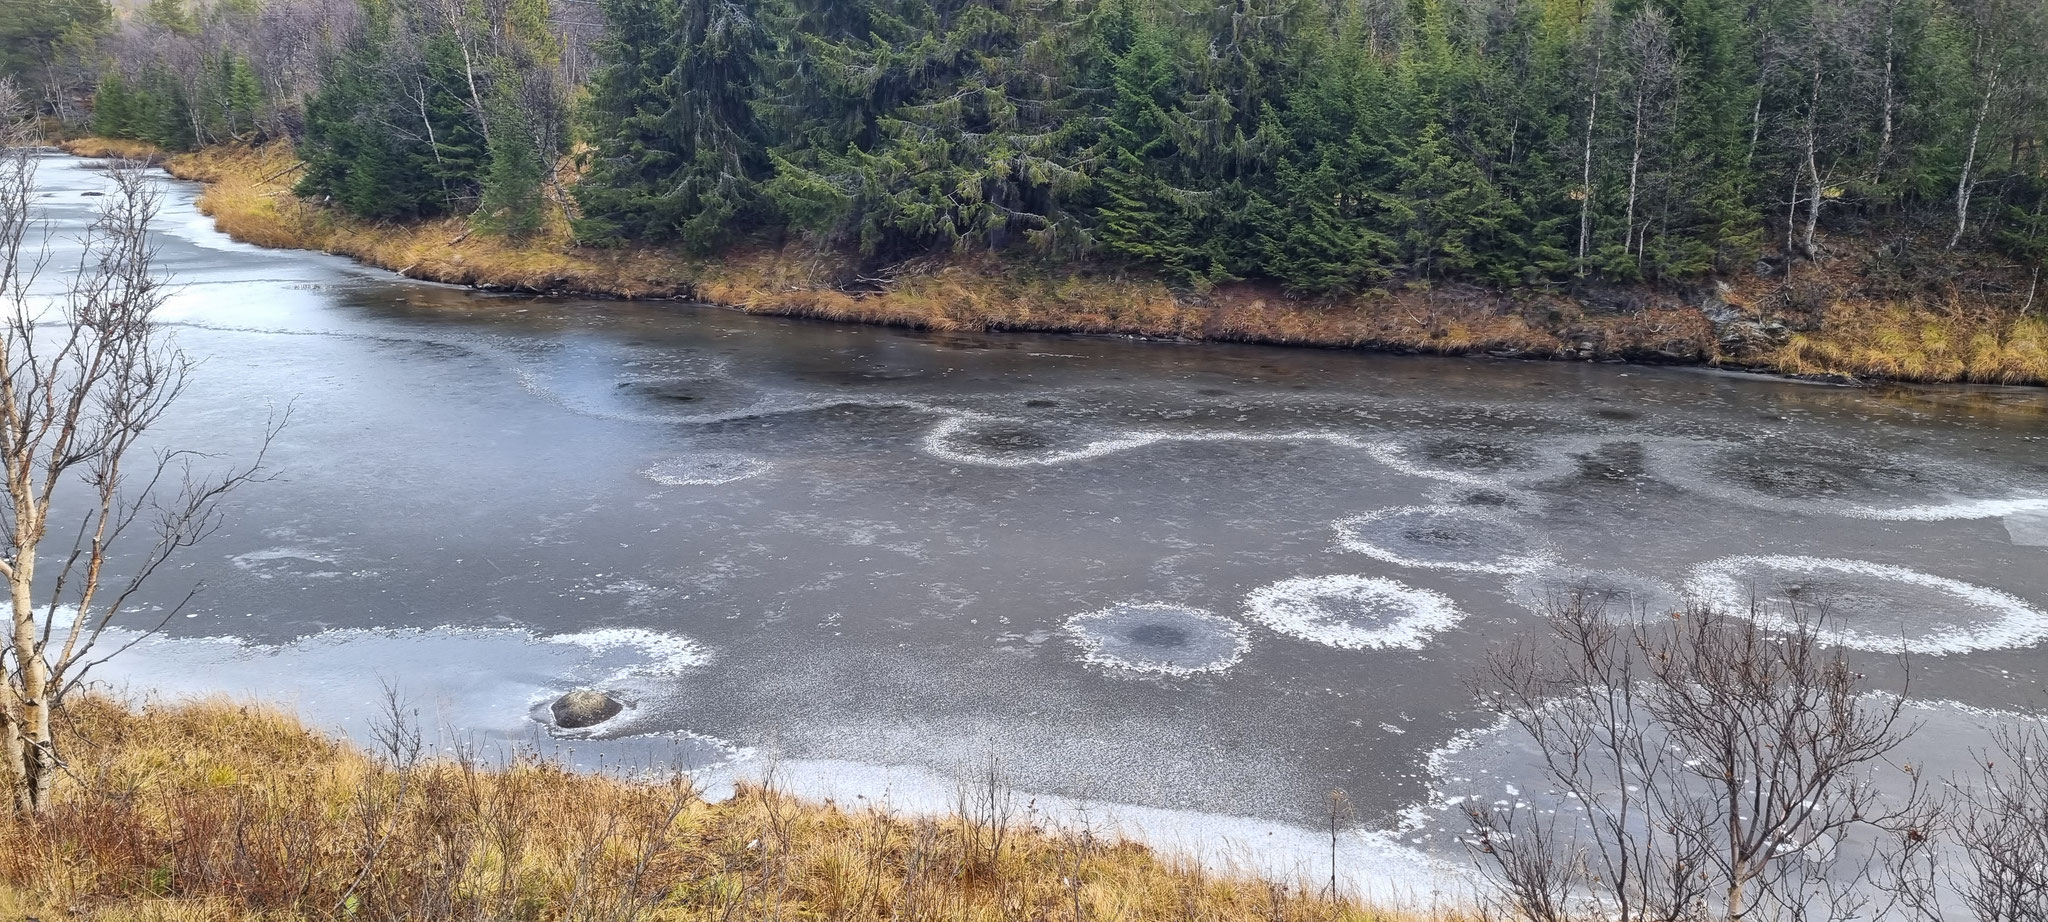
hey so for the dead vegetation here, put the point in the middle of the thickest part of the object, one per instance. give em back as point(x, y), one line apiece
point(221, 811)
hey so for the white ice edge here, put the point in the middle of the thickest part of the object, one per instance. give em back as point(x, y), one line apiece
point(1290, 607)
point(1536, 557)
point(1372, 865)
point(2016, 624)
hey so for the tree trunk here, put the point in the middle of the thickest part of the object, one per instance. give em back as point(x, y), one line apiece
point(1635, 165)
point(29, 748)
point(1884, 143)
point(1816, 192)
point(1586, 170)
point(1964, 187)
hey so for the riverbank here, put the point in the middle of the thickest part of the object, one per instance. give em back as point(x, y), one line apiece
point(1848, 318)
point(224, 811)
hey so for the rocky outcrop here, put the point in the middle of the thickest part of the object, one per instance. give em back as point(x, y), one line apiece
point(1742, 338)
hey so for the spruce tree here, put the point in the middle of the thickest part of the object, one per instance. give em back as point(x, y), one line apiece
point(679, 152)
point(1141, 215)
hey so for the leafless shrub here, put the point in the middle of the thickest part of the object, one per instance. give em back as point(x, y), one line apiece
point(2004, 830)
point(1711, 767)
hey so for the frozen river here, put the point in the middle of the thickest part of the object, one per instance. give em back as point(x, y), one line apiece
point(1202, 585)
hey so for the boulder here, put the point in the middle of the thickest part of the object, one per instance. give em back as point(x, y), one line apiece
point(584, 708)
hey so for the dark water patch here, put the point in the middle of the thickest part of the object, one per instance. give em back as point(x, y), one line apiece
point(700, 394)
point(1618, 594)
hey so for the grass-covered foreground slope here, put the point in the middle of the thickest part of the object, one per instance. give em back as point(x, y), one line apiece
point(221, 811)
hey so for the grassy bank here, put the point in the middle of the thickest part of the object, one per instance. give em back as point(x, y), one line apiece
point(1850, 316)
point(219, 811)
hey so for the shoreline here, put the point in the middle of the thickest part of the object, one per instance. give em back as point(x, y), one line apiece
point(1854, 341)
point(1375, 864)
point(233, 810)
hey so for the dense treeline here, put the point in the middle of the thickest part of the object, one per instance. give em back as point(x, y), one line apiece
point(1326, 144)
point(432, 109)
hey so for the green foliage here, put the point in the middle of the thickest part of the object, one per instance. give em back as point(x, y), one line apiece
point(1142, 216)
point(170, 15)
point(31, 29)
point(152, 107)
point(230, 97)
point(512, 201)
point(381, 154)
point(679, 152)
point(1324, 145)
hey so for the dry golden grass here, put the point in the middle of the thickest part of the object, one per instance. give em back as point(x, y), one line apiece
point(110, 147)
point(1852, 331)
point(220, 811)
point(249, 196)
point(1909, 343)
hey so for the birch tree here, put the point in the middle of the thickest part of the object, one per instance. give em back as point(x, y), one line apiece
point(1652, 70)
point(2005, 49)
point(86, 377)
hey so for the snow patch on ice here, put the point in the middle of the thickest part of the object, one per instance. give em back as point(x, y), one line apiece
point(706, 470)
point(1353, 612)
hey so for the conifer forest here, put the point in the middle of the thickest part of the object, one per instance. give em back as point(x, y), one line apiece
point(1328, 146)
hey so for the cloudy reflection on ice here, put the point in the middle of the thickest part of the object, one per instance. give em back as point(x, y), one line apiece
point(465, 683)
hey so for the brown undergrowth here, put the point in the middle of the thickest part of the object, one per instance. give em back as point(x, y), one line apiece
point(1849, 316)
point(222, 811)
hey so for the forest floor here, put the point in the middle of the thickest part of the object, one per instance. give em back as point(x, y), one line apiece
point(1864, 313)
point(214, 810)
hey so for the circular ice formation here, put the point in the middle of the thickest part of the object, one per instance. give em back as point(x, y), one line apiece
point(1871, 606)
point(1618, 593)
point(1353, 612)
point(1001, 442)
point(1444, 538)
point(705, 470)
point(1479, 460)
point(1165, 639)
point(1875, 483)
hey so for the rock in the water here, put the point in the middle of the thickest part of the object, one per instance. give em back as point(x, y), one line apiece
point(584, 708)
